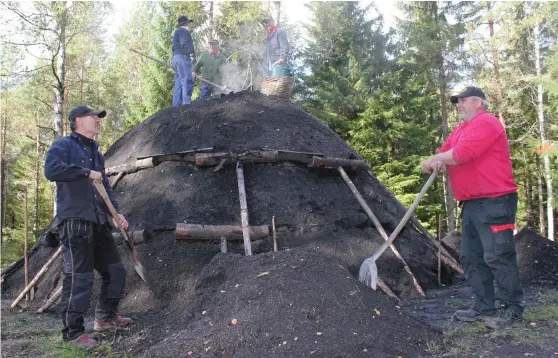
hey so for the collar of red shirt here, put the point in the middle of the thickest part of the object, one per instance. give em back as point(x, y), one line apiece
point(272, 30)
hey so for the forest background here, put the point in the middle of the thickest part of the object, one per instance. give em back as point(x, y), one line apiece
point(383, 87)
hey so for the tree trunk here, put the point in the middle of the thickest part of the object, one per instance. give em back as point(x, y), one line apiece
point(544, 139)
point(26, 241)
point(60, 73)
point(542, 219)
point(211, 23)
point(278, 16)
point(37, 183)
point(450, 207)
point(3, 186)
point(496, 62)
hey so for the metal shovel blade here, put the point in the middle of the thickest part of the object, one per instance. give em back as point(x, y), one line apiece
point(142, 272)
point(368, 273)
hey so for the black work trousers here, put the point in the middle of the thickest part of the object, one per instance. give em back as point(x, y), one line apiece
point(87, 246)
point(488, 252)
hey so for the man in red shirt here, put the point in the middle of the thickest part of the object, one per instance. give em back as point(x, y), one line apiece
point(477, 158)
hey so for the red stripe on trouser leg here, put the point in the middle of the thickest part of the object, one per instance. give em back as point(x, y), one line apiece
point(498, 228)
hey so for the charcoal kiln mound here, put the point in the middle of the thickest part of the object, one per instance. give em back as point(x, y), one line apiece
point(537, 258)
point(323, 236)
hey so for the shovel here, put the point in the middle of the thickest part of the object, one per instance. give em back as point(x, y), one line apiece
point(368, 273)
point(223, 89)
point(137, 265)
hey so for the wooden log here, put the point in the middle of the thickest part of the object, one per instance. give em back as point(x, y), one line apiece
point(446, 258)
point(55, 296)
point(215, 232)
point(213, 159)
point(131, 167)
point(25, 240)
point(243, 209)
point(378, 226)
point(37, 277)
point(138, 236)
point(189, 155)
point(117, 179)
point(334, 163)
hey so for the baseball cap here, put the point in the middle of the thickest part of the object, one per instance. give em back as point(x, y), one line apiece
point(470, 91)
point(84, 110)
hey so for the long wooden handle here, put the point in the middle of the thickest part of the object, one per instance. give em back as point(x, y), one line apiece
point(222, 88)
point(408, 214)
point(101, 189)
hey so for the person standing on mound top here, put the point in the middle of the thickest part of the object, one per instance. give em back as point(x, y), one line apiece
point(209, 64)
point(74, 163)
point(477, 157)
point(276, 45)
point(183, 55)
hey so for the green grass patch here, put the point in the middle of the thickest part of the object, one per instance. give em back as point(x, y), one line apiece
point(548, 296)
point(541, 313)
point(467, 330)
point(456, 303)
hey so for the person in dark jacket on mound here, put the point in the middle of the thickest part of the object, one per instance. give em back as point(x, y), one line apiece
point(183, 55)
point(477, 157)
point(74, 163)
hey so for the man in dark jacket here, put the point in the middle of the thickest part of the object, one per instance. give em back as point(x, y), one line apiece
point(276, 45)
point(74, 162)
point(209, 65)
point(183, 55)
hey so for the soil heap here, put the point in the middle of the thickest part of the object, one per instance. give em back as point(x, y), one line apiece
point(537, 258)
point(308, 289)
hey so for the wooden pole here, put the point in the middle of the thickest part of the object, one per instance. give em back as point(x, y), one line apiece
point(243, 209)
point(55, 296)
point(37, 277)
point(382, 285)
point(378, 226)
point(25, 241)
point(439, 250)
point(117, 179)
point(275, 248)
point(224, 244)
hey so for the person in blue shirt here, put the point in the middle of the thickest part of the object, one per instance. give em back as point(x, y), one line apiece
point(74, 163)
point(183, 55)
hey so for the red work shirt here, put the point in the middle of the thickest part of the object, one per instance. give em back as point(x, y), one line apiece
point(481, 149)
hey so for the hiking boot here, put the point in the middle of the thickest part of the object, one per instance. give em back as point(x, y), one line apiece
point(85, 342)
point(471, 315)
point(119, 323)
point(505, 319)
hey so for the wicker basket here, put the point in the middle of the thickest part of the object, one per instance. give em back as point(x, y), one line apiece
point(277, 86)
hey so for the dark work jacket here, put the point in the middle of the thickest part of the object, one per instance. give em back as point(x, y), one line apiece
point(69, 161)
point(182, 43)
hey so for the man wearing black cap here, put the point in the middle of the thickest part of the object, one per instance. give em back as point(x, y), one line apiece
point(477, 157)
point(74, 162)
point(210, 66)
point(183, 55)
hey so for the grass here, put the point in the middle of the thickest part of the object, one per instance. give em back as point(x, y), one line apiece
point(541, 313)
point(456, 303)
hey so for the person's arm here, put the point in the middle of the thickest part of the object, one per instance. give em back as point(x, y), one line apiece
point(57, 167)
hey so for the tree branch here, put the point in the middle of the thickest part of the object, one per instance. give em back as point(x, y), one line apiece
point(43, 102)
point(35, 140)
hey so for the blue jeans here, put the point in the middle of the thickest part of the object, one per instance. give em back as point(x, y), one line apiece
point(183, 82)
point(205, 92)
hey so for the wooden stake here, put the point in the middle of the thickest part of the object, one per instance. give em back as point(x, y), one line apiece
point(25, 240)
point(382, 285)
point(274, 234)
point(37, 277)
point(439, 250)
point(117, 179)
point(378, 226)
point(55, 296)
point(243, 209)
point(224, 244)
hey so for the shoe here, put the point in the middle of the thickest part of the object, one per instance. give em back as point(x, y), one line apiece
point(119, 323)
point(505, 319)
point(471, 315)
point(85, 342)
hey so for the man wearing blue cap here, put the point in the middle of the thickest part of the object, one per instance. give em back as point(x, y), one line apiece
point(74, 163)
point(183, 55)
